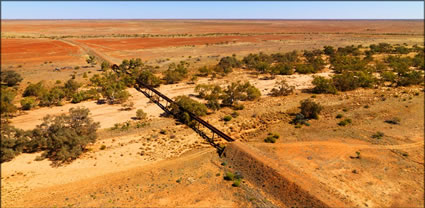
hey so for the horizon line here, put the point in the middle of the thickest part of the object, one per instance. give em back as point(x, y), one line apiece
point(212, 19)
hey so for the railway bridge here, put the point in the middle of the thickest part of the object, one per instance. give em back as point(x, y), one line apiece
point(200, 126)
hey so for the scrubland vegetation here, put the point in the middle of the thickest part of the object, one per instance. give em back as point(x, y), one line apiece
point(353, 66)
point(61, 138)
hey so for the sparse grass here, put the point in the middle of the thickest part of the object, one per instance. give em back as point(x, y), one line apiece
point(378, 135)
point(345, 122)
point(271, 138)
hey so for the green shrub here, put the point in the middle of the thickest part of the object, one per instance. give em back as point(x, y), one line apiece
point(282, 69)
point(140, 114)
point(310, 109)
point(323, 85)
point(410, 78)
point(235, 114)
point(339, 116)
point(204, 71)
point(111, 87)
point(190, 105)
point(105, 65)
point(282, 89)
point(36, 90)
point(388, 76)
point(305, 69)
point(7, 97)
point(344, 122)
point(148, 78)
point(238, 107)
point(229, 176)
point(239, 91)
point(227, 118)
point(175, 73)
point(342, 63)
point(378, 135)
point(10, 78)
point(27, 103)
point(66, 136)
point(271, 138)
point(236, 183)
point(226, 64)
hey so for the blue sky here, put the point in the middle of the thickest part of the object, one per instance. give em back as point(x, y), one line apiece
point(211, 10)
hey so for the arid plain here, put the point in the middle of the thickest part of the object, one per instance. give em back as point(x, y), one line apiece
point(166, 163)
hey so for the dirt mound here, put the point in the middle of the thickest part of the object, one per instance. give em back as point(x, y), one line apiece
point(291, 189)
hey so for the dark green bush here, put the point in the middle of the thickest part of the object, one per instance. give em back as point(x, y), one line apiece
point(190, 105)
point(226, 64)
point(344, 122)
point(36, 90)
point(282, 69)
point(237, 91)
point(66, 136)
point(175, 73)
point(7, 97)
point(378, 135)
point(27, 103)
point(10, 78)
point(229, 176)
point(227, 118)
point(111, 87)
point(148, 78)
point(310, 109)
point(323, 85)
point(305, 68)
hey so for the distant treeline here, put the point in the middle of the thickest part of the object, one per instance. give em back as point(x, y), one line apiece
point(4, 35)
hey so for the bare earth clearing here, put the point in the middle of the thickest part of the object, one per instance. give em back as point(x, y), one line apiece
point(144, 167)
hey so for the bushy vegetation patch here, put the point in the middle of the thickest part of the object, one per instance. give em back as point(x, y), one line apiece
point(7, 96)
point(323, 85)
point(10, 78)
point(310, 109)
point(282, 88)
point(271, 138)
point(190, 105)
point(61, 138)
point(176, 72)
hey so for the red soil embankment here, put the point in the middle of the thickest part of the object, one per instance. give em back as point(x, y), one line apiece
point(284, 185)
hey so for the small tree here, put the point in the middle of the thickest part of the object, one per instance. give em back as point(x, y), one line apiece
point(140, 114)
point(27, 103)
point(105, 65)
point(323, 85)
point(91, 60)
point(10, 78)
point(66, 136)
point(310, 109)
point(7, 96)
point(128, 106)
point(282, 89)
point(190, 105)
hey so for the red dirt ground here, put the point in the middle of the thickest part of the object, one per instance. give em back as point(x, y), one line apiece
point(37, 51)
point(102, 27)
point(114, 44)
